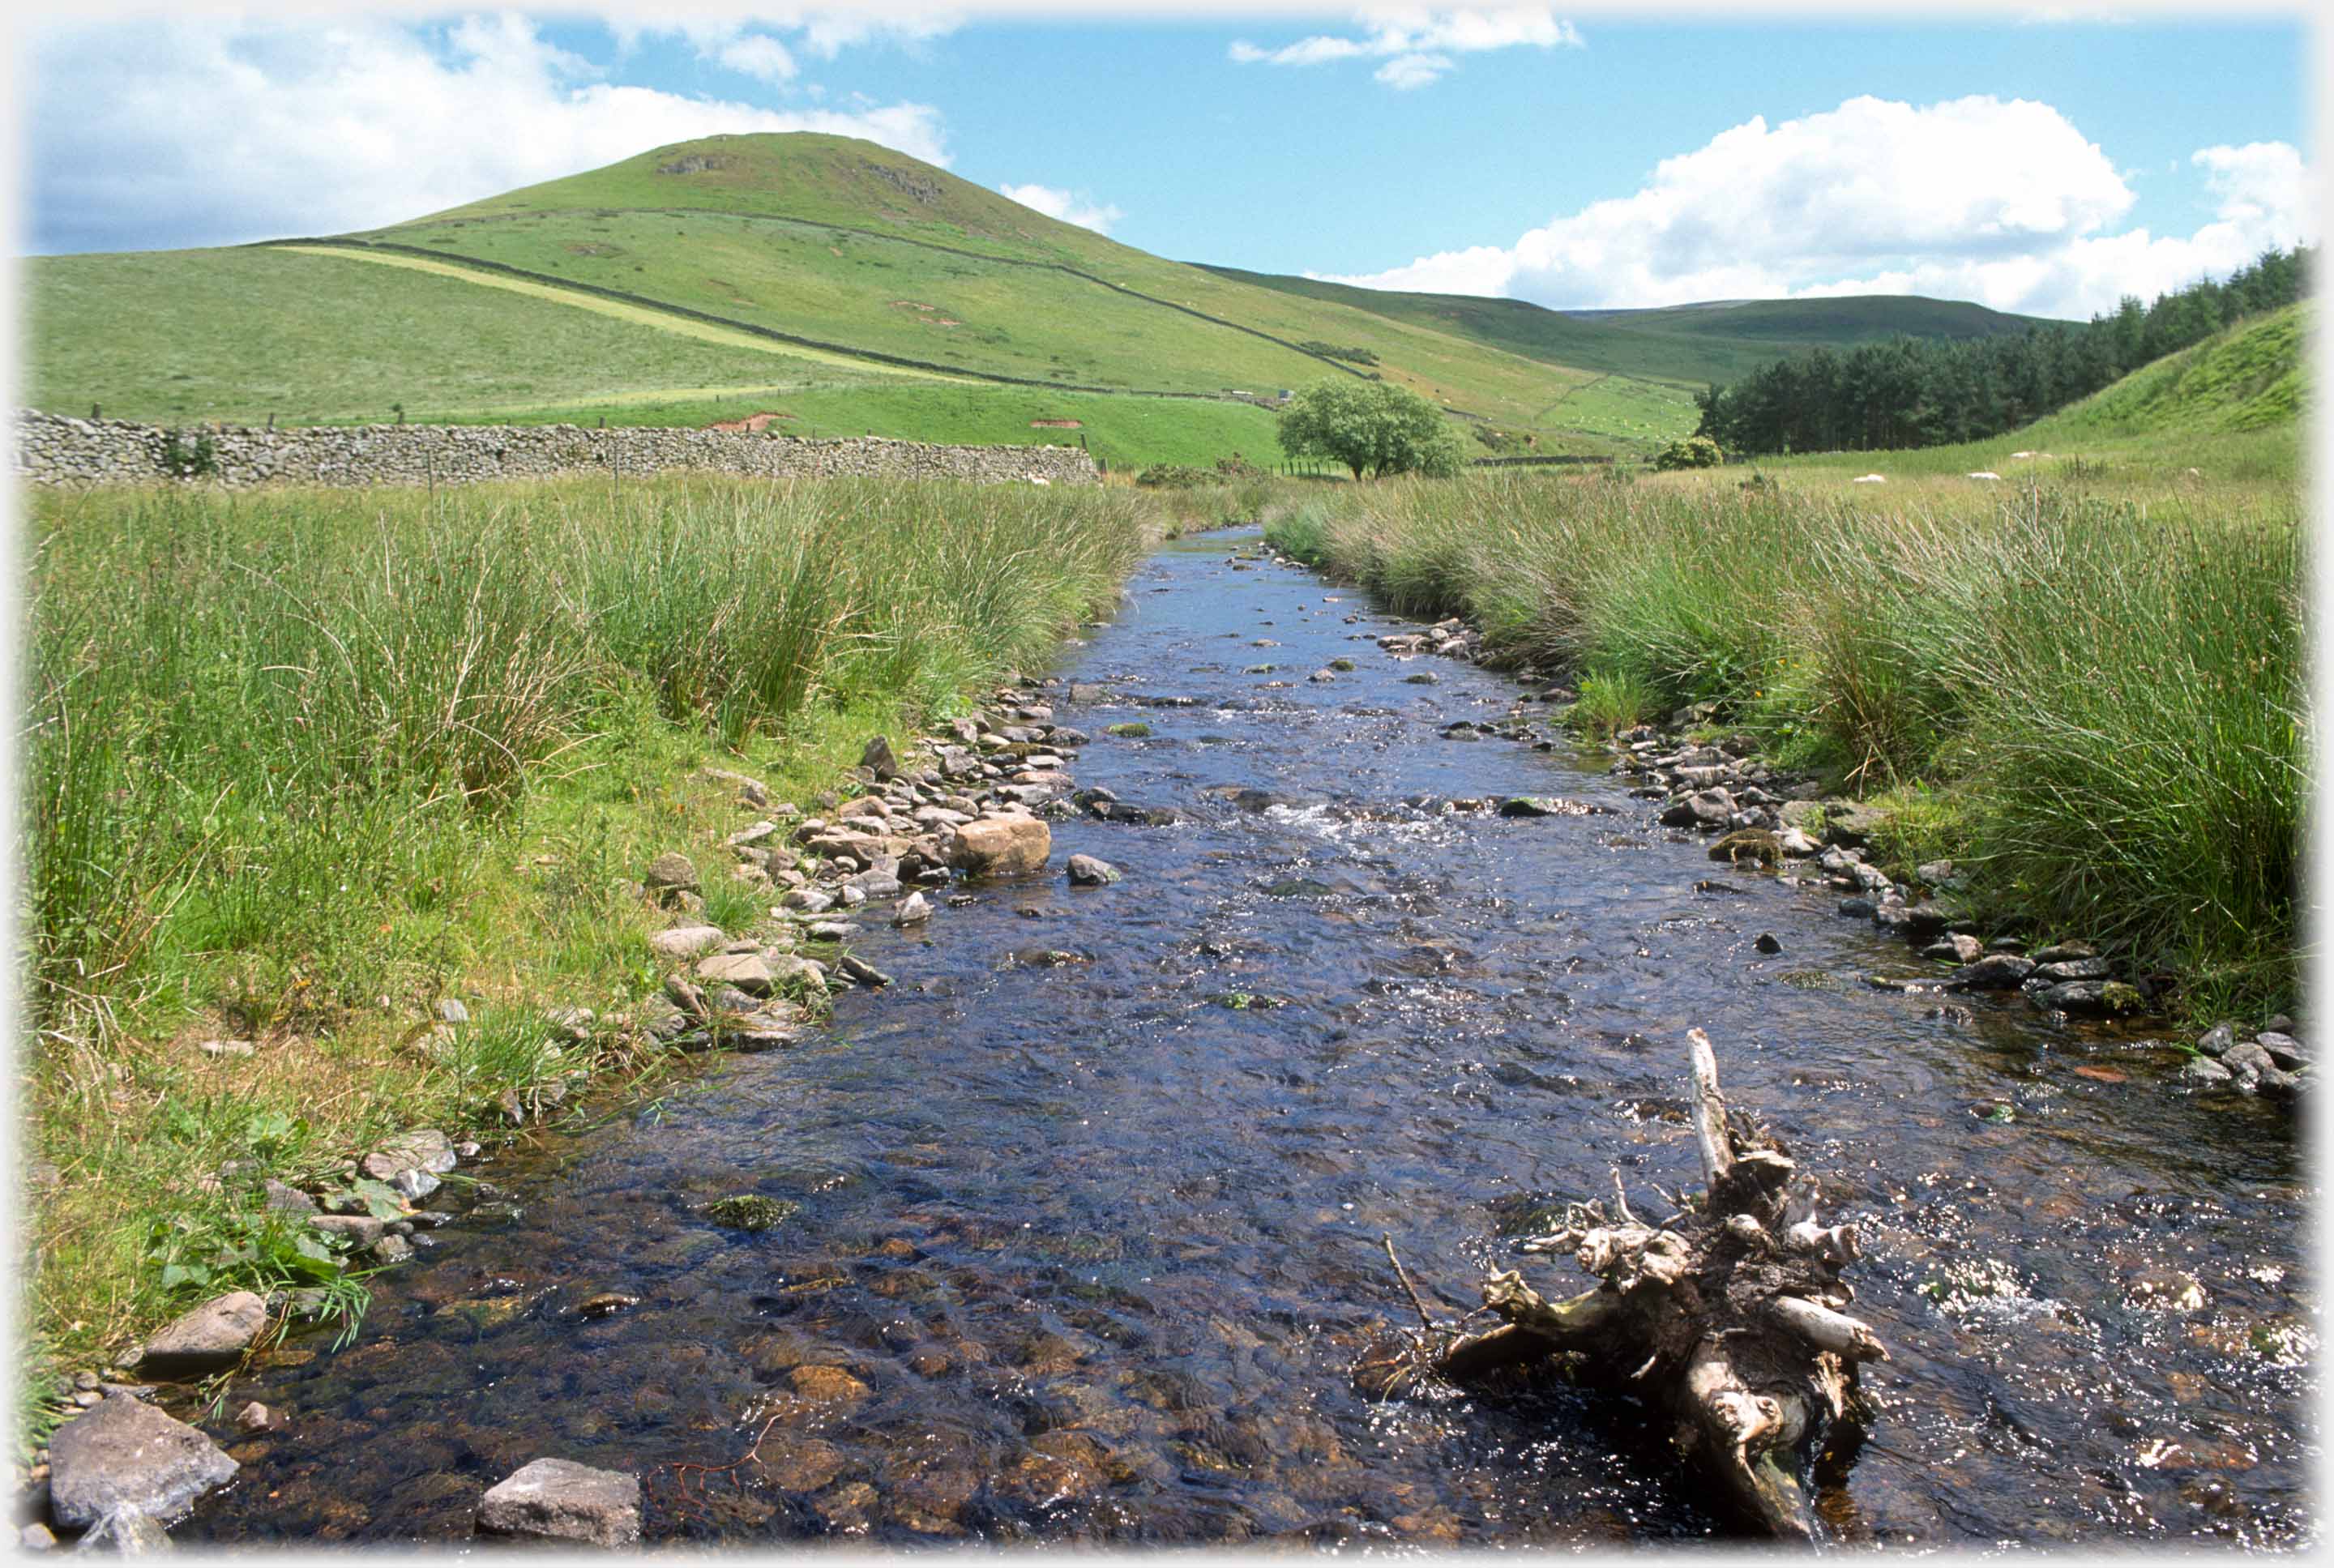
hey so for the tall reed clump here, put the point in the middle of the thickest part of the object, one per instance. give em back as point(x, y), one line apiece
point(251, 718)
point(2107, 696)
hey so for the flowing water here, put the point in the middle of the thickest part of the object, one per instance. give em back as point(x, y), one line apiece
point(1091, 1200)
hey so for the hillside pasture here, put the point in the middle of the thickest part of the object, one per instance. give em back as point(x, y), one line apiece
point(322, 340)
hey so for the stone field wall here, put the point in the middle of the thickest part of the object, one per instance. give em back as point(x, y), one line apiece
point(54, 451)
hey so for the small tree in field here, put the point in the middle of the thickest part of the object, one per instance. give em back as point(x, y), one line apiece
point(1373, 428)
point(1693, 452)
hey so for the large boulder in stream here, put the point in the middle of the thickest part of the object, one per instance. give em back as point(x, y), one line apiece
point(1010, 846)
point(123, 1453)
point(561, 1500)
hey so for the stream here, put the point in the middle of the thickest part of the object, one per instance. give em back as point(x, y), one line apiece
point(1091, 1199)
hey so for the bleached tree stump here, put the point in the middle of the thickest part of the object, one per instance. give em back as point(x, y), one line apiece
point(1731, 1313)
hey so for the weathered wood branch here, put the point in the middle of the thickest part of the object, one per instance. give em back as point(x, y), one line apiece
point(1847, 1337)
point(1730, 1311)
point(1710, 1134)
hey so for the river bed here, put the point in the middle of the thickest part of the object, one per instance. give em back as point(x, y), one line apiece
point(1091, 1200)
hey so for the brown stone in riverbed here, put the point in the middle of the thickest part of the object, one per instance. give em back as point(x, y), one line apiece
point(1008, 846)
point(800, 1464)
point(826, 1383)
point(213, 1335)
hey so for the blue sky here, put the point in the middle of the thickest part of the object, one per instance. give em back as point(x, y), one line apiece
point(2044, 166)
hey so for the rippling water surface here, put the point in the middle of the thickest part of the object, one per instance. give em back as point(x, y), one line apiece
point(1091, 1200)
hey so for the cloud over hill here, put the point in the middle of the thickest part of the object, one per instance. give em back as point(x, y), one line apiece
point(207, 130)
point(2002, 201)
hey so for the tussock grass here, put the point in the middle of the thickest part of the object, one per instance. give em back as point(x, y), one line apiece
point(299, 763)
point(2097, 700)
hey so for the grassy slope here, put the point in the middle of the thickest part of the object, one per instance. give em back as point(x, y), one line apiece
point(2248, 378)
point(726, 210)
point(320, 338)
point(332, 338)
point(752, 228)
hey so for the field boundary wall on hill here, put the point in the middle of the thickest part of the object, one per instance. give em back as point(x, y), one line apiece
point(51, 450)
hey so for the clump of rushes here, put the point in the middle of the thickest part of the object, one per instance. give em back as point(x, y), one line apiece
point(2101, 696)
point(299, 763)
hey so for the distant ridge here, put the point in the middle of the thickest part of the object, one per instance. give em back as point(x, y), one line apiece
point(1711, 341)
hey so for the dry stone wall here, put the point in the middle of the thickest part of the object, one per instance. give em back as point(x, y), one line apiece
point(54, 451)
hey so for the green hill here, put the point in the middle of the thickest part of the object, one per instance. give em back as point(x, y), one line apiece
point(847, 286)
point(1696, 343)
point(710, 277)
point(2247, 378)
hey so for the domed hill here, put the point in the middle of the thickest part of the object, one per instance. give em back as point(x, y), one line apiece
point(852, 243)
point(830, 179)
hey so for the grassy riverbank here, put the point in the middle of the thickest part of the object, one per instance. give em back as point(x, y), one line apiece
point(300, 765)
point(2096, 702)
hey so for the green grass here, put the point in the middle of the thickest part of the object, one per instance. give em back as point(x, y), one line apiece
point(2097, 700)
point(1124, 432)
point(888, 296)
point(2247, 378)
point(375, 750)
point(176, 337)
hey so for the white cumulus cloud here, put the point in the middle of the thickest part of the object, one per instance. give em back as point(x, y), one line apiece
point(2000, 201)
point(758, 55)
point(1417, 42)
point(1066, 206)
point(209, 131)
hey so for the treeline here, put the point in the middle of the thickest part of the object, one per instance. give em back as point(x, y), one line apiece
point(1926, 392)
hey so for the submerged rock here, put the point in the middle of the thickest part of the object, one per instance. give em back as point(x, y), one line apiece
point(131, 1532)
point(750, 1211)
point(1086, 871)
point(2091, 998)
point(1747, 844)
